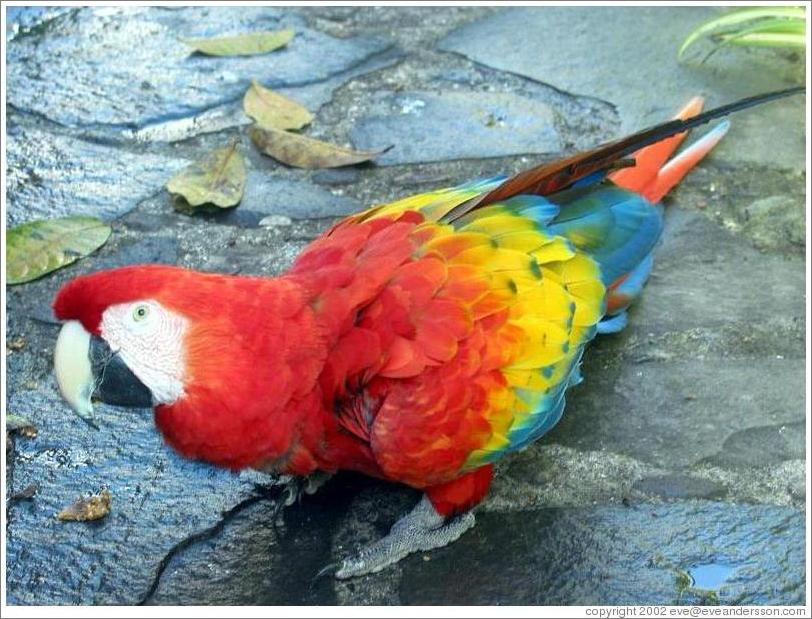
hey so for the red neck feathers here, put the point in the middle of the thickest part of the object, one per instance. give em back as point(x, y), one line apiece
point(253, 356)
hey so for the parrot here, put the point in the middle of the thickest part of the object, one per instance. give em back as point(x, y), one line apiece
point(417, 342)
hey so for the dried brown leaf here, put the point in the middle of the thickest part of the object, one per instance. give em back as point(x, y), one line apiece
point(218, 178)
point(249, 44)
point(301, 151)
point(16, 344)
point(272, 110)
point(20, 425)
point(91, 508)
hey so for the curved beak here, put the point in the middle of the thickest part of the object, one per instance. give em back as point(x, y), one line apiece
point(86, 369)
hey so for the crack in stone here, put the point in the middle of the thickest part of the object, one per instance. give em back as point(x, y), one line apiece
point(154, 196)
point(31, 120)
point(19, 30)
point(39, 116)
point(121, 130)
point(525, 78)
point(210, 533)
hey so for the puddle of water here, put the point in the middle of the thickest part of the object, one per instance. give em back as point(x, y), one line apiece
point(710, 576)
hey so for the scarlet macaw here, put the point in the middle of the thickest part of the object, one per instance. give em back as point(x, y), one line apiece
point(417, 342)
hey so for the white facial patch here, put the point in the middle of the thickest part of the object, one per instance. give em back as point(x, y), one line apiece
point(150, 340)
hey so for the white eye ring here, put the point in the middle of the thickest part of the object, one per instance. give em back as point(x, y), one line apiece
point(140, 313)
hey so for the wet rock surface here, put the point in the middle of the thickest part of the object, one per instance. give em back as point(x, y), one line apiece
point(646, 83)
point(158, 500)
point(57, 175)
point(456, 125)
point(129, 67)
point(615, 555)
point(677, 472)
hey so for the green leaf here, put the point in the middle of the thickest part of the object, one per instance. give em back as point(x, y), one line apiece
point(765, 26)
point(218, 178)
point(301, 151)
point(736, 18)
point(272, 110)
point(249, 44)
point(37, 248)
point(767, 39)
point(769, 25)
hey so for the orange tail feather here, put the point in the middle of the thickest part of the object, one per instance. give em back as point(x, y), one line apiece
point(675, 170)
point(651, 176)
point(650, 159)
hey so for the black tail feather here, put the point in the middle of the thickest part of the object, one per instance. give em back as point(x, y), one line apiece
point(551, 177)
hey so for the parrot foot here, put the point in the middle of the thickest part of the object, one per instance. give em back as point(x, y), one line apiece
point(297, 487)
point(420, 530)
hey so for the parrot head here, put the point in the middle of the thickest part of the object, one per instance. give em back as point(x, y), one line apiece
point(125, 338)
point(185, 343)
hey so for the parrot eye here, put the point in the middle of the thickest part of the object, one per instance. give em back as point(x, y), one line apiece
point(140, 313)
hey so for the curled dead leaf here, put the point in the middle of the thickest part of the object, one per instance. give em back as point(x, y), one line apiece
point(270, 109)
point(249, 44)
point(16, 344)
point(301, 151)
point(218, 178)
point(91, 508)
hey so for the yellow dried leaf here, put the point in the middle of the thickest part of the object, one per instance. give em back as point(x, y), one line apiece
point(249, 44)
point(218, 178)
point(91, 508)
point(273, 110)
point(303, 152)
point(21, 425)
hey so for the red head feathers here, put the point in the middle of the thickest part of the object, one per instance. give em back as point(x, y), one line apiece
point(251, 353)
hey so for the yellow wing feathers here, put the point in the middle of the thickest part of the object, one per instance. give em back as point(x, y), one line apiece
point(542, 294)
point(552, 296)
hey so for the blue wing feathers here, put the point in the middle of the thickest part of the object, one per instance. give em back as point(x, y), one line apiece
point(619, 230)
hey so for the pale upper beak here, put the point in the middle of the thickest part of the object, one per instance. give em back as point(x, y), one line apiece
point(87, 368)
point(74, 374)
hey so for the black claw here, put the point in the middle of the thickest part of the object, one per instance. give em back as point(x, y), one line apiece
point(89, 421)
point(331, 569)
point(277, 510)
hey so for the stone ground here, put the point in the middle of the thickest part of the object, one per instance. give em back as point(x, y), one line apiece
point(677, 473)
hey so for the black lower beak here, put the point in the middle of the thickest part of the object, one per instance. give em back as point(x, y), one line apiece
point(114, 383)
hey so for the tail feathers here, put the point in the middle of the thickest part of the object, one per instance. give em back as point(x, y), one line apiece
point(625, 290)
point(650, 159)
point(675, 170)
point(653, 176)
point(557, 176)
point(613, 324)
